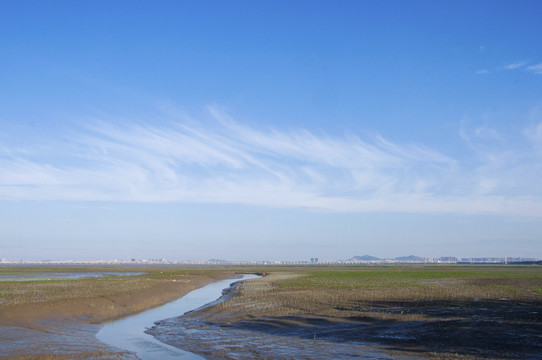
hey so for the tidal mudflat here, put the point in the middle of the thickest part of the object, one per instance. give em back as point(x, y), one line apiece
point(367, 312)
point(58, 318)
point(408, 312)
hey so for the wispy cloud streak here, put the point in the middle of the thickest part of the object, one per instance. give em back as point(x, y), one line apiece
point(537, 69)
point(515, 65)
point(223, 161)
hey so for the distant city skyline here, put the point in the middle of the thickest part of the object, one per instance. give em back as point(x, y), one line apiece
point(270, 130)
point(355, 260)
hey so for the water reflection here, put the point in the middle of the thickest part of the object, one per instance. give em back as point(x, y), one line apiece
point(128, 333)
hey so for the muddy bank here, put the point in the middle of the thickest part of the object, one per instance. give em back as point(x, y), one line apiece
point(56, 340)
point(259, 324)
point(327, 336)
point(66, 328)
point(215, 341)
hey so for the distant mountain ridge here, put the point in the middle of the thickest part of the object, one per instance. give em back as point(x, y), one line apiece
point(409, 258)
point(364, 258)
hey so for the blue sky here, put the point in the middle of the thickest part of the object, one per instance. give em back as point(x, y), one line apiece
point(270, 129)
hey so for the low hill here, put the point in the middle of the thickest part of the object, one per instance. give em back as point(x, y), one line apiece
point(409, 258)
point(364, 258)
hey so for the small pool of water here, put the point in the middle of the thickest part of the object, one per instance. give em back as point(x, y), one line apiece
point(66, 275)
point(129, 333)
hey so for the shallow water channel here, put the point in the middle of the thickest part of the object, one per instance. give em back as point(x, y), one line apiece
point(129, 333)
point(63, 276)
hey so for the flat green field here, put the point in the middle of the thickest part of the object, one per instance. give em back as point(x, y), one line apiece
point(428, 283)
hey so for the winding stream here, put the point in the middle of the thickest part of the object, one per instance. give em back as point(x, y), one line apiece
point(128, 333)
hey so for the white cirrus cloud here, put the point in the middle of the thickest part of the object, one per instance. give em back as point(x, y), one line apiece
point(515, 65)
point(537, 69)
point(177, 159)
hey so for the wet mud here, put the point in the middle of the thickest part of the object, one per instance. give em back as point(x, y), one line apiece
point(235, 342)
point(292, 337)
point(56, 340)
